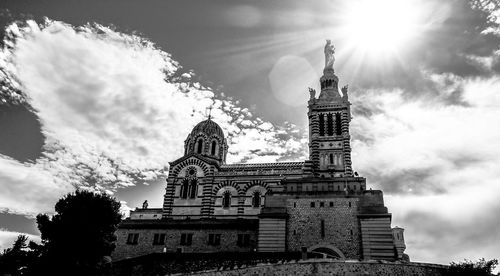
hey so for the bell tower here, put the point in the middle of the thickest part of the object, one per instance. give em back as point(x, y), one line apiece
point(329, 118)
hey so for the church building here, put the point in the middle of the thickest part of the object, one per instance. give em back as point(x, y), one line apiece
point(318, 206)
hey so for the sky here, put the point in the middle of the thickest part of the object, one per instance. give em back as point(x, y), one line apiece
point(100, 95)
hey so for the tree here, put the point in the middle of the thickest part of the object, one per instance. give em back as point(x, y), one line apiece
point(15, 260)
point(469, 268)
point(80, 235)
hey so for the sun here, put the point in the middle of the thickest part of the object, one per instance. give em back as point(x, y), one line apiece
point(379, 28)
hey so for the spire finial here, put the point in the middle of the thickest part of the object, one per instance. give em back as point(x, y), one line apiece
point(210, 111)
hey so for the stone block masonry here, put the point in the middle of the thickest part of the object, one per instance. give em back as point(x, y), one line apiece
point(230, 240)
point(338, 268)
point(329, 221)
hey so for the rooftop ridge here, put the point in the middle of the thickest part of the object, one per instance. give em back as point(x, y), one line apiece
point(256, 165)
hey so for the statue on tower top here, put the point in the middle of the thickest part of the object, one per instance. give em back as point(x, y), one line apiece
point(329, 54)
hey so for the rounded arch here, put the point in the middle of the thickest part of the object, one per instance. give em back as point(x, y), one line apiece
point(255, 196)
point(188, 162)
point(223, 184)
point(216, 146)
point(225, 197)
point(194, 142)
point(327, 249)
point(253, 183)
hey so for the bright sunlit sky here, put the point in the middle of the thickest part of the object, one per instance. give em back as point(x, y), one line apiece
point(102, 94)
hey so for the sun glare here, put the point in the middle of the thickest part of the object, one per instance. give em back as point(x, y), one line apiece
point(379, 28)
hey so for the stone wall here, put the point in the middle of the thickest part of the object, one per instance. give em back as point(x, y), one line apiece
point(175, 263)
point(340, 223)
point(144, 246)
point(329, 267)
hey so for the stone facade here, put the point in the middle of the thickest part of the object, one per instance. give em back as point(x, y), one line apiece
point(172, 241)
point(318, 205)
point(318, 220)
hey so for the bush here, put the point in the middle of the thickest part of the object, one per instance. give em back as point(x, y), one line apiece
point(469, 268)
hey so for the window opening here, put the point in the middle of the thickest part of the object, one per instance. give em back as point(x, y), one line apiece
point(159, 239)
point(214, 239)
point(321, 125)
point(226, 199)
point(184, 188)
point(256, 199)
point(214, 145)
point(193, 188)
point(329, 119)
point(132, 238)
point(200, 146)
point(186, 239)
point(338, 124)
point(243, 240)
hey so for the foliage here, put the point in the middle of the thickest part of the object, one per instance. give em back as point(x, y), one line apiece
point(15, 260)
point(469, 268)
point(79, 238)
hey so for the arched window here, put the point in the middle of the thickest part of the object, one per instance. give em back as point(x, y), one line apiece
point(329, 122)
point(226, 199)
point(199, 146)
point(184, 188)
point(214, 146)
point(338, 124)
point(256, 200)
point(321, 125)
point(331, 158)
point(193, 188)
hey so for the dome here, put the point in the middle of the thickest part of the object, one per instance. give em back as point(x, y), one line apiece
point(209, 128)
point(207, 139)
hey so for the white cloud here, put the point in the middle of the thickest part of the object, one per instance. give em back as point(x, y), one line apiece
point(28, 189)
point(113, 108)
point(125, 209)
point(439, 166)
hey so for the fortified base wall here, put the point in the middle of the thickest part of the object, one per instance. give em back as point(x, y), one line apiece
point(330, 267)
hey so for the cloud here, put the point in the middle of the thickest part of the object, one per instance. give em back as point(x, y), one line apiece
point(457, 38)
point(28, 189)
point(428, 139)
point(114, 109)
point(438, 164)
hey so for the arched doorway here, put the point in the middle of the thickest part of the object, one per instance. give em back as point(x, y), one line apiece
point(325, 251)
